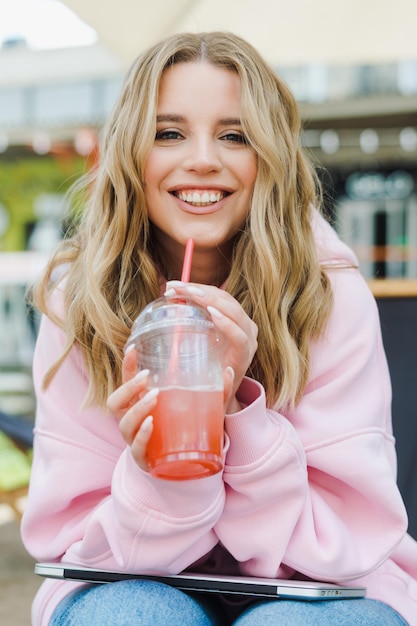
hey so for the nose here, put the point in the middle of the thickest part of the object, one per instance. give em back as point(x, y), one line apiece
point(203, 156)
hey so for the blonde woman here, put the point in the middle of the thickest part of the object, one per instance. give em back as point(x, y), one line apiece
point(203, 143)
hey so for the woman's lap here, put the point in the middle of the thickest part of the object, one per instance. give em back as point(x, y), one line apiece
point(132, 603)
point(322, 613)
point(149, 603)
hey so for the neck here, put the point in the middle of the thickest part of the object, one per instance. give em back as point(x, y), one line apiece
point(210, 266)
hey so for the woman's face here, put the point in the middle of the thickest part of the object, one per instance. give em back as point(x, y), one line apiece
point(200, 173)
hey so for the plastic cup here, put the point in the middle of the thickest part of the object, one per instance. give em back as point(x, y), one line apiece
point(176, 340)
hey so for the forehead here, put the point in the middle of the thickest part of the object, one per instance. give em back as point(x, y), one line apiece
point(202, 84)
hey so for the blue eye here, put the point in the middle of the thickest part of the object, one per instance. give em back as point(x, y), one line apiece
point(235, 137)
point(164, 135)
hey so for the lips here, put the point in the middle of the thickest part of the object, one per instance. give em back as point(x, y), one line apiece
point(200, 198)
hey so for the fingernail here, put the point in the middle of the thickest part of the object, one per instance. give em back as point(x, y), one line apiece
point(147, 424)
point(150, 396)
point(129, 348)
point(230, 369)
point(170, 292)
point(174, 283)
point(214, 312)
point(196, 291)
point(140, 376)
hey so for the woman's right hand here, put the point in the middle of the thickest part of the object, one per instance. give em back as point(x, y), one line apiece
point(132, 407)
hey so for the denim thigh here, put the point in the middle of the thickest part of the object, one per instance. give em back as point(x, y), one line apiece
point(354, 612)
point(134, 603)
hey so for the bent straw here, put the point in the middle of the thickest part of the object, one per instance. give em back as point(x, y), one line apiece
point(185, 277)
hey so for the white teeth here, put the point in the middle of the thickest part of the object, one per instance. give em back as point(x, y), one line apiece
point(200, 199)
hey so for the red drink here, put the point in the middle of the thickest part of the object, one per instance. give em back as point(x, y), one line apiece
point(187, 437)
point(176, 340)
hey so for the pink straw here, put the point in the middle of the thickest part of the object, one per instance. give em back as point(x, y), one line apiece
point(185, 277)
point(188, 257)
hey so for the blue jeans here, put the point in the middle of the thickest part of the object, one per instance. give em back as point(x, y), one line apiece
point(149, 603)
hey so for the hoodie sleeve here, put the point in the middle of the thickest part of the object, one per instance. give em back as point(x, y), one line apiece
point(314, 489)
point(89, 503)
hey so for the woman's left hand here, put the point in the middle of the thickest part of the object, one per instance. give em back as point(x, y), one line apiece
point(231, 320)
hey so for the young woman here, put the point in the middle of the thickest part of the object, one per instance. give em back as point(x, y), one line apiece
point(204, 143)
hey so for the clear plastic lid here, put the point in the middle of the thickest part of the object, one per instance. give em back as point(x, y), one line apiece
point(167, 312)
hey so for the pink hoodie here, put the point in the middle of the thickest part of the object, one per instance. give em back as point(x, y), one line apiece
point(310, 491)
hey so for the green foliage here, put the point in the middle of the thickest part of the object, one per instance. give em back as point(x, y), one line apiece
point(21, 181)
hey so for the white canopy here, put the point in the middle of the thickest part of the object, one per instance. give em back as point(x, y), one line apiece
point(287, 32)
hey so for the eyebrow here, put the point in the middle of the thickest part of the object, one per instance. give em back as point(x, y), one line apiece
point(180, 119)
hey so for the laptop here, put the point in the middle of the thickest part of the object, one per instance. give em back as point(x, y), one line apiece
point(214, 583)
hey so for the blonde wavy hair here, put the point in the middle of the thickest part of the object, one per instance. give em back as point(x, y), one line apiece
point(112, 269)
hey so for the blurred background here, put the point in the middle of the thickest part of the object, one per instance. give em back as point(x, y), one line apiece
point(353, 69)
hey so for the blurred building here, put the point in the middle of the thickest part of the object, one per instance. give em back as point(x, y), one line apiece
point(50, 96)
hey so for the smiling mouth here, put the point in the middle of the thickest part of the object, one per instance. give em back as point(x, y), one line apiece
point(205, 198)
